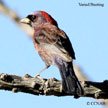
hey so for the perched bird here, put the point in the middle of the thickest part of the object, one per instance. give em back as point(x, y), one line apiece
point(54, 47)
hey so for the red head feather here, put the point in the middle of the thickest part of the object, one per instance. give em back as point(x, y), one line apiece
point(47, 17)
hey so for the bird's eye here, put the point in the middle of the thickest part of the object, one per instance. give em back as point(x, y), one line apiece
point(32, 17)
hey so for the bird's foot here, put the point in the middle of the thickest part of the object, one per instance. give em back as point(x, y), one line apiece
point(27, 76)
point(37, 75)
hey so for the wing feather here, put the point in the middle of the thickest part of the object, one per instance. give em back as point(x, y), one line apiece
point(56, 43)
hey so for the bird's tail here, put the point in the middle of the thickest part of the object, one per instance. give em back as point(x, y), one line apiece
point(70, 82)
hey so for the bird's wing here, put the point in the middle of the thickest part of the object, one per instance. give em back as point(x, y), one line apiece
point(65, 43)
point(56, 43)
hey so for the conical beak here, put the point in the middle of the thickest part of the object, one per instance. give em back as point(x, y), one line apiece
point(25, 21)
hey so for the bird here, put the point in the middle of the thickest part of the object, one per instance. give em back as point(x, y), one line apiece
point(55, 48)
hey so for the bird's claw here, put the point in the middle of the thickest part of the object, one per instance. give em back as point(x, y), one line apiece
point(37, 75)
point(27, 76)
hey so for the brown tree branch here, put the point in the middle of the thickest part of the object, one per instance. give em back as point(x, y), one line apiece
point(5, 10)
point(41, 86)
